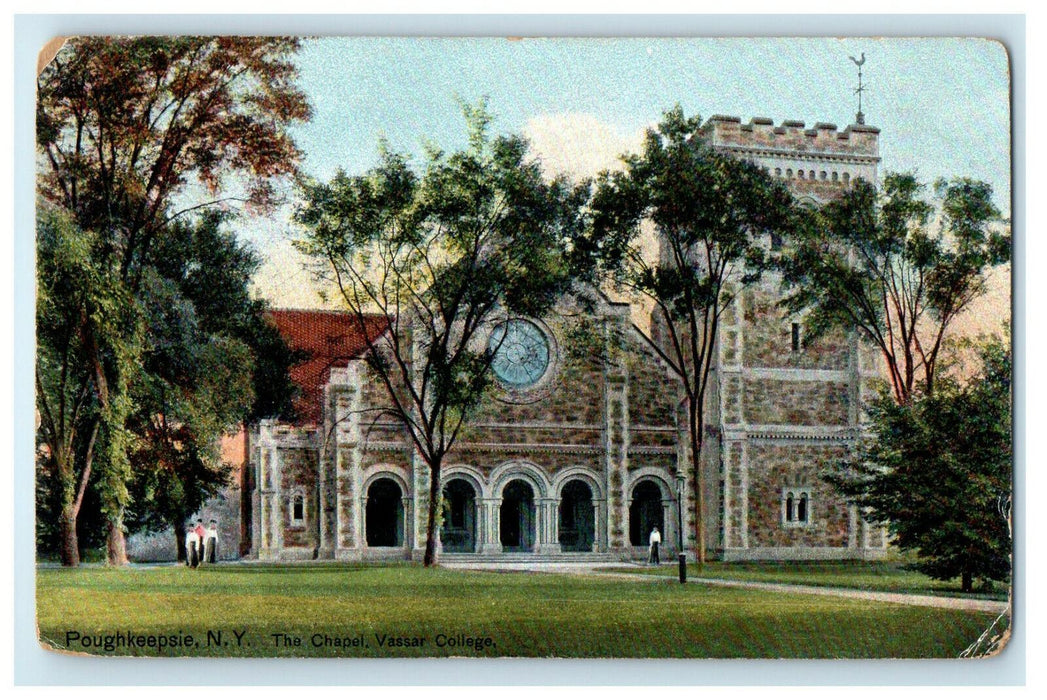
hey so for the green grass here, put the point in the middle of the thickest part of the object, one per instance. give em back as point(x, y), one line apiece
point(889, 576)
point(523, 614)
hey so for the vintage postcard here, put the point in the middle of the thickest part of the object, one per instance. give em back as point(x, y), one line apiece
point(490, 347)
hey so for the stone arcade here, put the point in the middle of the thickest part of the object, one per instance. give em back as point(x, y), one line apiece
point(573, 458)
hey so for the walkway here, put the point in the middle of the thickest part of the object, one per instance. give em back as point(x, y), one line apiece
point(600, 569)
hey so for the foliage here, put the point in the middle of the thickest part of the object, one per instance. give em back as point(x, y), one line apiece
point(125, 127)
point(442, 254)
point(897, 267)
point(211, 354)
point(712, 213)
point(937, 472)
point(87, 328)
point(125, 123)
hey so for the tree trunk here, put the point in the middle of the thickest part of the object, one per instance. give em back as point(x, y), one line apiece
point(967, 582)
point(434, 504)
point(70, 547)
point(115, 545)
point(695, 430)
point(179, 532)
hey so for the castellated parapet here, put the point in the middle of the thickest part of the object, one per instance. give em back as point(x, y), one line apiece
point(817, 162)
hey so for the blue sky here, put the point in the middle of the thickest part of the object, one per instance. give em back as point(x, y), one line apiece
point(942, 104)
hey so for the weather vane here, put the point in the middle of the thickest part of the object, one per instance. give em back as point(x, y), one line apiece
point(859, 118)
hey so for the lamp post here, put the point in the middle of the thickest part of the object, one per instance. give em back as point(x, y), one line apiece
point(681, 556)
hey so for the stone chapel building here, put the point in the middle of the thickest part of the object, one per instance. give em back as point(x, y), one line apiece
point(574, 458)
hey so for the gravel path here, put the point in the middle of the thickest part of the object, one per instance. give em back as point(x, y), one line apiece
point(599, 569)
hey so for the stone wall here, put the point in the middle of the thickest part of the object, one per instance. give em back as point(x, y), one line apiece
point(298, 470)
point(225, 509)
point(773, 467)
point(769, 340)
point(808, 403)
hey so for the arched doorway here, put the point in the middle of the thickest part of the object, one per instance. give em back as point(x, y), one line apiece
point(577, 522)
point(385, 514)
point(645, 513)
point(458, 532)
point(517, 517)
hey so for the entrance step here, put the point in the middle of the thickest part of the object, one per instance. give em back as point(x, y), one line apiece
point(529, 558)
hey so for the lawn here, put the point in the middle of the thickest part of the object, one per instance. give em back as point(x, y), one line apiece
point(890, 576)
point(346, 610)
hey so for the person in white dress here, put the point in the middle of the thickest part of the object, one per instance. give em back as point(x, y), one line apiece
point(211, 543)
point(655, 540)
point(192, 548)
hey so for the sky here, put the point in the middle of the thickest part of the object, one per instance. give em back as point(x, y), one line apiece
point(942, 104)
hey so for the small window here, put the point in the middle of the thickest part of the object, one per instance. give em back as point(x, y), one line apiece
point(796, 507)
point(789, 173)
point(811, 174)
point(796, 337)
point(799, 174)
point(777, 172)
point(296, 508)
point(822, 175)
point(846, 178)
point(836, 176)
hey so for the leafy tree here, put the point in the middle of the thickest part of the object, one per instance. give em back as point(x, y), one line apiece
point(123, 127)
point(209, 358)
point(711, 212)
point(70, 381)
point(937, 472)
point(898, 268)
point(442, 254)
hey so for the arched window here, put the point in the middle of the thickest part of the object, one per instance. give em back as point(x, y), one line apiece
point(796, 506)
point(846, 178)
point(777, 172)
point(836, 176)
point(789, 173)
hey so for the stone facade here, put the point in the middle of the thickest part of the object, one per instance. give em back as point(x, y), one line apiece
point(576, 456)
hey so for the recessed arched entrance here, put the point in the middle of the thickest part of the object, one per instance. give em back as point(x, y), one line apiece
point(458, 532)
point(577, 521)
point(645, 513)
point(517, 517)
point(384, 514)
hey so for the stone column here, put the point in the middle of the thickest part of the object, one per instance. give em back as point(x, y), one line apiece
point(668, 528)
point(492, 542)
point(547, 512)
point(599, 545)
point(408, 517)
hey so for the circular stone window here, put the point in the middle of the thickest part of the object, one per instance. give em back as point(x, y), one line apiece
point(521, 353)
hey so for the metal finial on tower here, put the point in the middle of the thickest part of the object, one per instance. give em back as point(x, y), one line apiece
point(859, 118)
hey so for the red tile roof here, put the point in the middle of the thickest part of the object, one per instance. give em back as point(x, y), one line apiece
point(330, 338)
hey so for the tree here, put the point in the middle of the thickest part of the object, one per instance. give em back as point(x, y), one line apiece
point(937, 472)
point(72, 283)
point(123, 127)
point(212, 363)
point(477, 236)
point(711, 212)
point(897, 268)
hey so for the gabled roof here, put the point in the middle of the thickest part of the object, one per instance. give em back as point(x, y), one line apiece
point(329, 338)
